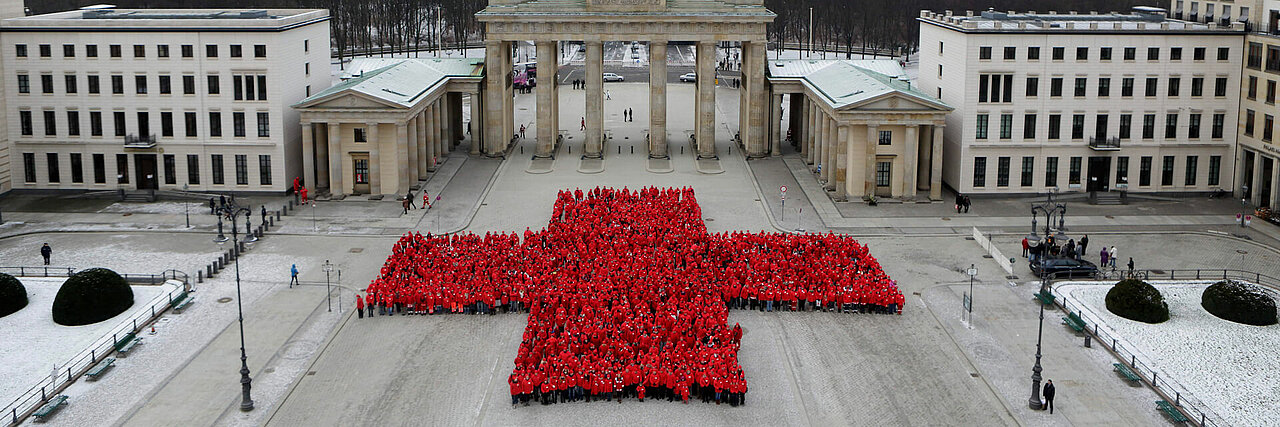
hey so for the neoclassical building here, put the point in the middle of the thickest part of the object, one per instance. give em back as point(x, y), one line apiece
point(861, 126)
point(387, 125)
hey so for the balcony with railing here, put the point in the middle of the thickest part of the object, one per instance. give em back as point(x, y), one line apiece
point(140, 141)
point(1104, 143)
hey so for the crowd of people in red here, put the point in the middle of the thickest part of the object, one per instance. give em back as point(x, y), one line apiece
point(627, 293)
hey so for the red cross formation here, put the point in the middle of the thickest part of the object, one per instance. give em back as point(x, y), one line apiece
point(628, 287)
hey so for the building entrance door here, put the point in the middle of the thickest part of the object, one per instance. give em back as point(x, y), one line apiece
point(360, 173)
point(145, 169)
point(1099, 174)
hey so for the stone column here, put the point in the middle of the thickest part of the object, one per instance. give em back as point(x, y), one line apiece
point(803, 132)
point(402, 157)
point(824, 144)
point(375, 159)
point(420, 144)
point(873, 134)
point(457, 131)
point(844, 153)
point(810, 132)
point(477, 119)
point(755, 108)
point(1240, 173)
point(1275, 183)
point(411, 145)
point(910, 161)
point(547, 120)
point(498, 97)
point(658, 99)
point(442, 146)
point(1255, 188)
point(935, 181)
point(442, 105)
point(794, 124)
point(595, 100)
point(832, 150)
point(321, 134)
point(335, 160)
point(775, 125)
point(924, 163)
point(433, 149)
point(705, 101)
point(308, 157)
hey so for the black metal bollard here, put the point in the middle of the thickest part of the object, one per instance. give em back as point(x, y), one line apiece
point(1088, 341)
point(241, 247)
point(199, 276)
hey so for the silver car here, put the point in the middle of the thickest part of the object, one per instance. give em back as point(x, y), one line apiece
point(611, 77)
point(689, 77)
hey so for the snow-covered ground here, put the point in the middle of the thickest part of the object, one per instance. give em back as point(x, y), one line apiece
point(33, 344)
point(1232, 368)
point(174, 208)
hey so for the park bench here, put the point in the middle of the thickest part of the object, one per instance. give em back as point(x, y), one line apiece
point(179, 306)
point(1074, 321)
point(50, 408)
point(1171, 410)
point(1045, 298)
point(100, 368)
point(127, 343)
point(1124, 370)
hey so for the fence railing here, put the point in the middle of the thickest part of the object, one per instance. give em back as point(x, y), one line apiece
point(1166, 386)
point(71, 370)
point(40, 271)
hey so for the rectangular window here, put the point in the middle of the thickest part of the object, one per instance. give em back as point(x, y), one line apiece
point(235, 51)
point(1152, 86)
point(1051, 172)
point(46, 51)
point(1220, 87)
point(166, 84)
point(1271, 92)
point(1077, 126)
point(237, 124)
point(73, 123)
point(1193, 126)
point(1002, 172)
point(1055, 126)
point(193, 169)
point(215, 124)
point(50, 123)
point(122, 168)
point(1255, 56)
point(1081, 84)
point(54, 174)
point(306, 46)
point(242, 169)
point(1033, 86)
point(94, 86)
point(1224, 53)
point(1219, 120)
point(99, 168)
point(20, 50)
point(1055, 86)
point(1267, 121)
point(140, 84)
point(984, 85)
point(237, 86)
point(1122, 170)
point(1197, 54)
point(29, 167)
point(170, 169)
point(1174, 85)
point(211, 51)
point(139, 51)
point(1153, 54)
point(46, 83)
point(1148, 126)
point(1029, 126)
point(1033, 53)
point(188, 85)
point(1100, 126)
point(1166, 171)
point(359, 135)
point(1082, 54)
point(1028, 171)
point(1104, 54)
point(68, 51)
point(118, 121)
point(260, 50)
point(188, 51)
point(1197, 86)
point(1175, 54)
point(1006, 126)
point(166, 123)
point(984, 52)
point(1192, 163)
point(981, 128)
point(162, 50)
point(1073, 175)
point(1126, 86)
point(1248, 122)
point(884, 170)
point(1130, 53)
point(979, 172)
point(1059, 53)
point(1104, 87)
point(95, 123)
point(264, 169)
point(214, 86)
point(1215, 169)
point(189, 122)
point(117, 84)
point(886, 136)
point(77, 168)
point(1253, 88)
point(262, 88)
point(1126, 126)
point(91, 51)
point(215, 163)
point(1171, 125)
point(24, 83)
point(24, 121)
point(69, 81)
point(115, 51)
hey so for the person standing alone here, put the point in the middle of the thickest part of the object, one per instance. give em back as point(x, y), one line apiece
point(293, 275)
point(46, 252)
point(1049, 391)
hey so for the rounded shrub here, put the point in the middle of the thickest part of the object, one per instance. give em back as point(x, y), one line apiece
point(1134, 299)
point(1239, 302)
point(91, 296)
point(13, 296)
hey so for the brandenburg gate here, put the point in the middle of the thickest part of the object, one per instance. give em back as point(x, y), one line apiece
point(547, 22)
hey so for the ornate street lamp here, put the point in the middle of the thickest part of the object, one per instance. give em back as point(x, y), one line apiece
point(231, 211)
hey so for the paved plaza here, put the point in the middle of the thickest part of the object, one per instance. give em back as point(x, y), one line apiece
point(315, 366)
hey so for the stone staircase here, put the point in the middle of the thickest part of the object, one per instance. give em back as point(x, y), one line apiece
point(1107, 198)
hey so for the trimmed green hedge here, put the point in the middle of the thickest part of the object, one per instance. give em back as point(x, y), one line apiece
point(1134, 299)
point(91, 296)
point(13, 296)
point(1239, 302)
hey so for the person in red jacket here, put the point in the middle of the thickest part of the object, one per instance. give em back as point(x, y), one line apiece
point(359, 306)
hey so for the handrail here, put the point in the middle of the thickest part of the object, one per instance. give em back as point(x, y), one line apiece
point(39, 271)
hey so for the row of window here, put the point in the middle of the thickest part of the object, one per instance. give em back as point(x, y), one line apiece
point(1268, 122)
point(50, 122)
point(170, 176)
point(1130, 53)
point(1027, 178)
point(244, 87)
point(1101, 126)
point(998, 88)
point(140, 50)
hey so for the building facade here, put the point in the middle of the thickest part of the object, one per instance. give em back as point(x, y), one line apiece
point(1133, 102)
point(104, 99)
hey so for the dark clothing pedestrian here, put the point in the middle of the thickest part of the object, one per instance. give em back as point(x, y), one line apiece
point(405, 205)
point(1084, 244)
point(222, 201)
point(46, 252)
point(1049, 391)
point(212, 207)
point(264, 215)
point(967, 203)
point(293, 275)
point(959, 202)
point(1130, 265)
point(409, 198)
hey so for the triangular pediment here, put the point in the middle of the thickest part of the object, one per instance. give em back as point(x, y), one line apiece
point(352, 100)
point(894, 101)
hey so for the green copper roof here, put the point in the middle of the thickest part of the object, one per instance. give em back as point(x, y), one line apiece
point(401, 81)
point(850, 82)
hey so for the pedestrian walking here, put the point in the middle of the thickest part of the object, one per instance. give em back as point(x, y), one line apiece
point(959, 202)
point(222, 200)
point(46, 252)
point(212, 207)
point(967, 204)
point(1049, 391)
point(359, 306)
point(1103, 257)
point(304, 195)
point(1084, 244)
point(426, 201)
point(584, 123)
point(522, 131)
point(408, 197)
point(1130, 265)
point(1026, 247)
point(1112, 254)
point(369, 302)
point(608, 94)
point(405, 204)
point(293, 276)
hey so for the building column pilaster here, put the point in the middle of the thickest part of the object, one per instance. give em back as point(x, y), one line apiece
point(658, 99)
point(429, 123)
point(402, 157)
point(595, 100)
point(308, 157)
point(775, 125)
point(935, 161)
point(705, 101)
point(411, 145)
point(375, 159)
point(335, 160)
point(873, 133)
point(910, 161)
point(548, 123)
point(844, 153)
point(474, 128)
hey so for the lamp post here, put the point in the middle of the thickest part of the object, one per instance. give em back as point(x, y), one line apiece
point(327, 292)
point(186, 204)
point(231, 211)
point(968, 302)
point(1244, 204)
point(1034, 402)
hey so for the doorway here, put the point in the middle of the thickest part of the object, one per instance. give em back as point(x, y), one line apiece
point(1099, 174)
point(360, 173)
point(145, 169)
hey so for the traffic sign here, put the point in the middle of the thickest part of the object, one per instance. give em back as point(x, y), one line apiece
point(784, 189)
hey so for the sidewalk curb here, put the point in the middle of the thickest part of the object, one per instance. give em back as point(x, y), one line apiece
point(755, 183)
point(328, 340)
point(471, 216)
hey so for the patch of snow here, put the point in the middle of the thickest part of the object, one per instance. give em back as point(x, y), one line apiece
point(173, 208)
point(1231, 367)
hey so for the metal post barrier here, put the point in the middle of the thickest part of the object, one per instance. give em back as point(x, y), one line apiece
point(241, 247)
point(1177, 398)
point(1153, 378)
point(199, 276)
point(135, 325)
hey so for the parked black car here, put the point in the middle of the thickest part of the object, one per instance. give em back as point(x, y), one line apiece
point(1064, 267)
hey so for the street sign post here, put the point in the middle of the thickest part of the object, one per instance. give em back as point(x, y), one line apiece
point(784, 202)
